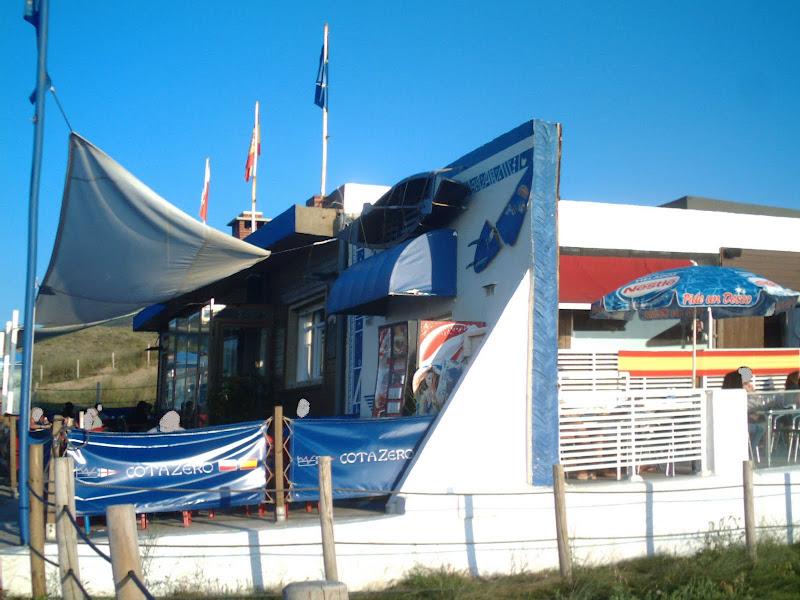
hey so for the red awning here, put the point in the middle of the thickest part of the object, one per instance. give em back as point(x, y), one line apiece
point(584, 279)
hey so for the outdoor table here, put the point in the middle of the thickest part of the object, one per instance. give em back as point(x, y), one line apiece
point(771, 414)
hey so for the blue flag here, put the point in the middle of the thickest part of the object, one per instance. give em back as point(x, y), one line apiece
point(321, 93)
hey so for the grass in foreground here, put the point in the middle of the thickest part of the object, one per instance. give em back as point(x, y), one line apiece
point(710, 575)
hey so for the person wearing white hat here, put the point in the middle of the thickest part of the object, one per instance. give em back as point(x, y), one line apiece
point(38, 420)
point(92, 420)
point(171, 421)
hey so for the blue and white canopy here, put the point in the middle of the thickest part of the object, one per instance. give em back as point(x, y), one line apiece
point(691, 291)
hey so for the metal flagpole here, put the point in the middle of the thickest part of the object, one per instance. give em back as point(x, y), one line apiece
point(12, 360)
point(38, 17)
point(324, 116)
point(257, 138)
point(4, 337)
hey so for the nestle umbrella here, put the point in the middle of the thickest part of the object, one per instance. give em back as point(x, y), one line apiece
point(690, 292)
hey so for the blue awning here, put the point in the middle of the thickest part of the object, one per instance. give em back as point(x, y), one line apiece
point(424, 266)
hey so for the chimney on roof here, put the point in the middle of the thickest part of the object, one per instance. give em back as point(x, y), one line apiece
point(240, 226)
point(318, 202)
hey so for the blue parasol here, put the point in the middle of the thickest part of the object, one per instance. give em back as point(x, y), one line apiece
point(695, 291)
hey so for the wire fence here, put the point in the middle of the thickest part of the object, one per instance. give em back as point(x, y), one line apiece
point(577, 488)
point(200, 550)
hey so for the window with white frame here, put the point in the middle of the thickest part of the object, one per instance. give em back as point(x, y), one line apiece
point(310, 342)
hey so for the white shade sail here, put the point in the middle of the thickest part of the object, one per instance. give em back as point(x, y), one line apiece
point(121, 247)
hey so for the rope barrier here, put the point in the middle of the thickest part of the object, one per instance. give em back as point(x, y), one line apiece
point(183, 490)
point(83, 535)
point(483, 543)
point(70, 573)
point(43, 557)
point(377, 492)
point(39, 498)
point(132, 576)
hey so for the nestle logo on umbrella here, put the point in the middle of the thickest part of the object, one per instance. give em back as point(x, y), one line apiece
point(640, 289)
point(763, 283)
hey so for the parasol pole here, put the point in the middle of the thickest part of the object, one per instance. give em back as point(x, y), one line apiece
point(694, 346)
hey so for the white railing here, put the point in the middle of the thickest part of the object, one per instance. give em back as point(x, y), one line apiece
point(585, 371)
point(589, 371)
point(624, 431)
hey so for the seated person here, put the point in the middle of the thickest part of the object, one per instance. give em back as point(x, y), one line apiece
point(792, 381)
point(170, 422)
point(742, 378)
point(38, 420)
point(68, 412)
point(140, 417)
point(92, 420)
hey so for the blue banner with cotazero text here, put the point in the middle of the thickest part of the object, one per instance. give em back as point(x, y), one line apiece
point(185, 470)
point(368, 455)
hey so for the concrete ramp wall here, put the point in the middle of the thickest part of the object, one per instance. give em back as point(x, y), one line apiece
point(479, 443)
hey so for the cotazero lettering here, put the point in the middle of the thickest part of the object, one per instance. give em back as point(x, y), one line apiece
point(382, 455)
point(173, 470)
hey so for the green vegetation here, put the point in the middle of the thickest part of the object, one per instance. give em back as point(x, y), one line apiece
point(713, 574)
point(123, 383)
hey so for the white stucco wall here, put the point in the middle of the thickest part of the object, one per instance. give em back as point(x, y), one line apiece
point(656, 229)
point(479, 438)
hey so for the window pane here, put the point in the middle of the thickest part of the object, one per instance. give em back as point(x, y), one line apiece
point(310, 339)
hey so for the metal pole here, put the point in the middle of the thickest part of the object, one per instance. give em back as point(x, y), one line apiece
point(40, 21)
point(257, 139)
point(324, 117)
point(3, 338)
point(12, 353)
point(694, 347)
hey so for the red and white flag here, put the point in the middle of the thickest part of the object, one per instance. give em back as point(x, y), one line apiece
point(204, 197)
point(255, 150)
point(227, 465)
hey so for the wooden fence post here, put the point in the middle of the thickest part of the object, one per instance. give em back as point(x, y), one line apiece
point(562, 535)
point(36, 471)
point(65, 530)
point(123, 542)
point(749, 510)
point(50, 521)
point(280, 496)
point(326, 518)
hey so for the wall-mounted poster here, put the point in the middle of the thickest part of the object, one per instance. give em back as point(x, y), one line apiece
point(441, 362)
point(396, 358)
point(419, 364)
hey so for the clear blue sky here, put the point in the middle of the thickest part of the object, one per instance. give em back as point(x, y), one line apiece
point(657, 100)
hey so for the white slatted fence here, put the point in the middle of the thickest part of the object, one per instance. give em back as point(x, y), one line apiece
point(624, 431)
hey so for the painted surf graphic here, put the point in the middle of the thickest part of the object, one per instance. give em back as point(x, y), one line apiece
point(508, 225)
point(510, 221)
point(486, 247)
